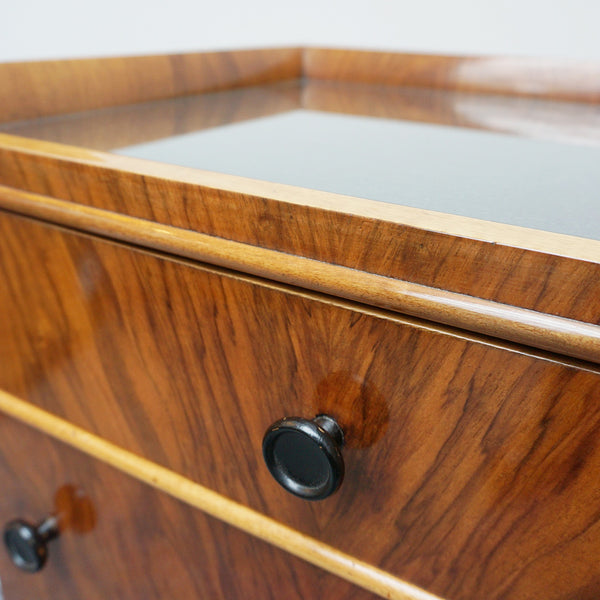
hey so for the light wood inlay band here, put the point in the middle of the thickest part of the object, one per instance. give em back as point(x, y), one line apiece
point(220, 507)
point(539, 330)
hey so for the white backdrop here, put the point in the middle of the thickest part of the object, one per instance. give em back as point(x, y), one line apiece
point(33, 29)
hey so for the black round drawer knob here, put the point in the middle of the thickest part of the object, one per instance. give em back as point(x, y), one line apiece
point(27, 544)
point(305, 456)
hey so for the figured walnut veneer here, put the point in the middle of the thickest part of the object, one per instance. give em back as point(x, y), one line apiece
point(535, 270)
point(52, 87)
point(559, 79)
point(471, 468)
point(136, 543)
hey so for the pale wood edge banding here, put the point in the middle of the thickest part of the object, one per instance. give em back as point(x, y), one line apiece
point(538, 77)
point(555, 244)
point(523, 326)
point(321, 555)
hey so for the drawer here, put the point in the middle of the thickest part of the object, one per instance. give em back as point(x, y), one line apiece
point(470, 465)
point(125, 540)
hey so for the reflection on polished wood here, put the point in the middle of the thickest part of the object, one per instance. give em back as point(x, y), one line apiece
point(517, 76)
point(121, 126)
point(528, 117)
point(479, 448)
point(133, 124)
point(141, 545)
point(36, 89)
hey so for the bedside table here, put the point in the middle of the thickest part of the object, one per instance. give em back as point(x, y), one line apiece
point(425, 361)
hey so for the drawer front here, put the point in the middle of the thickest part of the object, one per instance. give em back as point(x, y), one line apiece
point(470, 468)
point(128, 541)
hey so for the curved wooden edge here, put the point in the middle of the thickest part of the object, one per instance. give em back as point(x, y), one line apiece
point(357, 572)
point(552, 78)
point(35, 89)
point(523, 326)
point(556, 244)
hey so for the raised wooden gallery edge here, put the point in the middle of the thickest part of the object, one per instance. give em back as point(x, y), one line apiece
point(42, 88)
point(34, 89)
point(516, 76)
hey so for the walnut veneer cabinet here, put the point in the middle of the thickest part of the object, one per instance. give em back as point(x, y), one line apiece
point(388, 262)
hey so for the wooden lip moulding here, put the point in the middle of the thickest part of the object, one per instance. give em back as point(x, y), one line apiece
point(332, 314)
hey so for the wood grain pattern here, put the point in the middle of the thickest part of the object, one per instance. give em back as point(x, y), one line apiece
point(116, 127)
point(141, 545)
point(517, 76)
point(569, 122)
point(546, 332)
point(548, 273)
point(347, 567)
point(36, 89)
point(471, 469)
